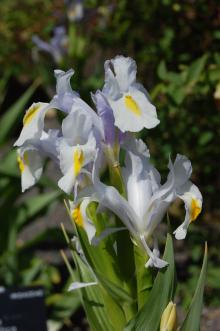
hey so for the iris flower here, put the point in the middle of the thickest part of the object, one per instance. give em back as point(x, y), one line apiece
point(57, 46)
point(89, 139)
point(147, 199)
point(130, 102)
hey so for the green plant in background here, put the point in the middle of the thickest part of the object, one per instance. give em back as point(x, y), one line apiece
point(19, 265)
point(115, 201)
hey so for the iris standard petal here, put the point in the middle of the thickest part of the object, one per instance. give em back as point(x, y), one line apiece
point(182, 170)
point(124, 70)
point(76, 127)
point(106, 114)
point(65, 96)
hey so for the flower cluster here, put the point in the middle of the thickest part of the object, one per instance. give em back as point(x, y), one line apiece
point(91, 141)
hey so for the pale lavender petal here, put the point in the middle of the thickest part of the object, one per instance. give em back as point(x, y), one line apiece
point(106, 114)
point(42, 45)
point(65, 96)
point(107, 232)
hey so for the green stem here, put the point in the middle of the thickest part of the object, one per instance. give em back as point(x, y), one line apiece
point(144, 276)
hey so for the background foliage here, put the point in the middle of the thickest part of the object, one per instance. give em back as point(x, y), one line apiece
point(176, 46)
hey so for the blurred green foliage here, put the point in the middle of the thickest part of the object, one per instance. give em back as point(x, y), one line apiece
point(22, 19)
point(177, 50)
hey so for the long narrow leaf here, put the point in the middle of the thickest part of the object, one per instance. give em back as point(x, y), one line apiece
point(192, 320)
point(9, 119)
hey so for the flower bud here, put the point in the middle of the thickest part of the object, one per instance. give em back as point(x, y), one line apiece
point(168, 319)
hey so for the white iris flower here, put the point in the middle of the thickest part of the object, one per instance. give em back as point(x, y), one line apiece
point(148, 200)
point(131, 106)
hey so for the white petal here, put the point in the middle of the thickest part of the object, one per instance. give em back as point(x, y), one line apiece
point(140, 114)
point(79, 104)
point(125, 70)
point(180, 232)
point(33, 123)
point(130, 103)
point(181, 169)
point(76, 127)
point(110, 198)
point(154, 260)
point(88, 224)
point(96, 240)
point(67, 182)
point(77, 285)
point(111, 87)
point(63, 81)
point(65, 96)
point(155, 215)
point(192, 198)
point(68, 165)
point(31, 167)
point(162, 196)
point(66, 156)
point(48, 144)
point(137, 180)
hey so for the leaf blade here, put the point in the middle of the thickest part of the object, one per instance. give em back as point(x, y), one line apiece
point(192, 320)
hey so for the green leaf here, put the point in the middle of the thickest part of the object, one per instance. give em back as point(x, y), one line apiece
point(63, 305)
point(205, 138)
point(162, 70)
point(92, 300)
point(103, 313)
point(34, 205)
point(144, 276)
point(8, 120)
point(148, 318)
point(91, 297)
point(9, 166)
point(116, 292)
point(177, 93)
point(49, 236)
point(192, 320)
point(3, 83)
point(196, 69)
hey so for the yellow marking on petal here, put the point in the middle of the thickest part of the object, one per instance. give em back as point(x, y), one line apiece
point(77, 216)
point(22, 162)
point(132, 105)
point(195, 209)
point(31, 113)
point(78, 159)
